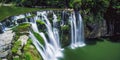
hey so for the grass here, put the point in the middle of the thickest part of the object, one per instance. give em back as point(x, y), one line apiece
point(101, 51)
point(21, 28)
point(30, 52)
point(6, 11)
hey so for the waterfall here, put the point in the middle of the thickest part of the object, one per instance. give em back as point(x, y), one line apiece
point(77, 30)
point(38, 46)
point(50, 32)
point(51, 50)
point(55, 30)
point(18, 17)
point(63, 14)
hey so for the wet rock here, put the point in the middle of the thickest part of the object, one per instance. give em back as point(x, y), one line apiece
point(1, 28)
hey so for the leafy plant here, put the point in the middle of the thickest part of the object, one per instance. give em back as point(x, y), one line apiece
point(65, 27)
point(16, 46)
point(21, 28)
point(40, 22)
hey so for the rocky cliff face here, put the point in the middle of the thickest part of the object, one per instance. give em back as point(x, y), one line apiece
point(5, 43)
point(96, 29)
point(112, 18)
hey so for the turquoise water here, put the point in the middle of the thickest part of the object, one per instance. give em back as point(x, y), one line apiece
point(105, 50)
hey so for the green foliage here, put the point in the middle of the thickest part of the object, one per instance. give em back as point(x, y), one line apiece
point(65, 27)
point(30, 53)
point(65, 35)
point(40, 39)
point(41, 25)
point(28, 56)
point(75, 4)
point(93, 10)
point(40, 22)
point(21, 28)
point(16, 37)
point(27, 46)
point(116, 5)
point(32, 15)
point(15, 47)
point(5, 11)
point(59, 18)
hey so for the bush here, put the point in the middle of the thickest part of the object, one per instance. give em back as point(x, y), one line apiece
point(16, 46)
point(27, 46)
point(65, 27)
point(21, 28)
point(28, 56)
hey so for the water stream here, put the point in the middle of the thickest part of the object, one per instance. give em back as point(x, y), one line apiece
point(52, 49)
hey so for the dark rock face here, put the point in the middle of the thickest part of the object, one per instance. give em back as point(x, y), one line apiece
point(102, 28)
point(113, 21)
point(96, 29)
point(1, 28)
point(1, 31)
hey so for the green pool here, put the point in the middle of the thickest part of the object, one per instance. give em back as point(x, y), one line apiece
point(104, 50)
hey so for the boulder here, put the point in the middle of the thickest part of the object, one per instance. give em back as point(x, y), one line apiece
point(23, 40)
point(5, 42)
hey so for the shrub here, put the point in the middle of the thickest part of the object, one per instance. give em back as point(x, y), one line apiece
point(15, 47)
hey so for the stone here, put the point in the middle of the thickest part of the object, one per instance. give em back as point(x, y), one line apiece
point(23, 39)
point(4, 59)
point(16, 57)
point(19, 52)
point(96, 29)
point(4, 54)
point(5, 42)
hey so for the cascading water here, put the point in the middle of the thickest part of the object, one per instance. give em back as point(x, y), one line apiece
point(18, 17)
point(38, 46)
point(55, 30)
point(50, 31)
point(45, 51)
point(80, 31)
point(51, 49)
point(77, 31)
